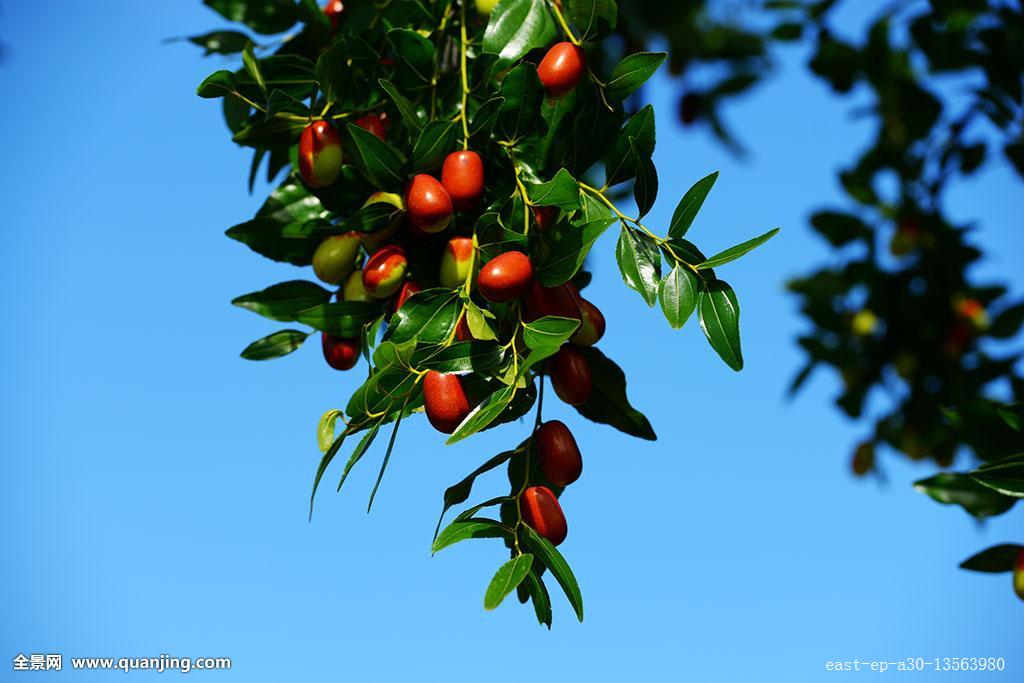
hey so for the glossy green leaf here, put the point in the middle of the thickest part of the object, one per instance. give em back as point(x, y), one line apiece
point(381, 162)
point(263, 16)
point(632, 72)
point(593, 19)
point(608, 403)
point(570, 245)
point(678, 294)
point(719, 314)
point(484, 414)
point(429, 316)
point(341, 319)
point(284, 301)
point(325, 462)
point(518, 26)
point(506, 579)
point(468, 356)
point(637, 137)
point(645, 189)
point(639, 262)
point(410, 116)
point(562, 191)
point(275, 345)
point(476, 527)
point(330, 72)
point(549, 331)
point(217, 84)
point(459, 493)
point(252, 67)
point(434, 143)
point(690, 205)
point(523, 96)
point(1005, 475)
point(539, 595)
point(325, 429)
point(415, 53)
point(733, 253)
point(556, 564)
point(952, 488)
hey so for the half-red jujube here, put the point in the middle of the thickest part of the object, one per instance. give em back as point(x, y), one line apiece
point(320, 154)
point(428, 205)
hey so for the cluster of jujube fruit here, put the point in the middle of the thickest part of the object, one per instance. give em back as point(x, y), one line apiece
point(452, 164)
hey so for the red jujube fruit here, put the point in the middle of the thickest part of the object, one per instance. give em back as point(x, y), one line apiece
point(428, 204)
point(374, 124)
point(541, 511)
point(505, 277)
point(384, 271)
point(320, 154)
point(463, 177)
point(334, 11)
point(409, 287)
point(570, 375)
point(339, 352)
point(545, 216)
point(562, 69)
point(559, 454)
point(445, 401)
point(562, 301)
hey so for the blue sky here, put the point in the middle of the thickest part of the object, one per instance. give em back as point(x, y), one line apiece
point(156, 485)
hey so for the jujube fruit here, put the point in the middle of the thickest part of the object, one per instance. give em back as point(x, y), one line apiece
point(335, 258)
point(354, 289)
point(559, 454)
point(562, 301)
point(428, 204)
point(592, 325)
point(545, 216)
point(462, 331)
point(485, 7)
point(409, 287)
point(334, 10)
point(384, 271)
point(374, 124)
point(570, 375)
point(463, 177)
point(339, 352)
point(456, 262)
point(373, 240)
point(505, 277)
point(1018, 575)
point(320, 154)
point(444, 401)
point(541, 511)
point(562, 69)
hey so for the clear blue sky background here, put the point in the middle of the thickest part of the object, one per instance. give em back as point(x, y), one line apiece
point(155, 489)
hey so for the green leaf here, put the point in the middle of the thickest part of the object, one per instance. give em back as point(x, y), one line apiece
point(953, 488)
point(678, 294)
point(218, 84)
point(415, 54)
point(429, 316)
point(570, 245)
point(288, 227)
point(467, 356)
point(330, 71)
point(459, 493)
point(325, 429)
point(518, 26)
point(1005, 475)
point(559, 568)
point(475, 527)
point(523, 96)
point(594, 19)
point(637, 137)
point(275, 345)
point(539, 594)
point(263, 16)
point(690, 205)
point(608, 403)
point(719, 313)
point(410, 116)
point(341, 319)
point(381, 163)
point(632, 72)
point(285, 300)
point(484, 414)
point(477, 321)
point(639, 262)
point(1008, 322)
point(840, 228)
point(252, 67)
point(645, 189)
point(995, 560)
point(733, 253)
point(361, 448)
point(384, 464)
point(562, 191)
point(221, 42)
point(506, 579)
point(325, 461)
point(434, 143)
point(549, 331)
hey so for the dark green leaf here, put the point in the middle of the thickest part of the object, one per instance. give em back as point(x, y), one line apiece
point(484, 414)
point(995, 560)
point(632, 72)
point(639, 262)
point(608, 403)
point(517, 27)
point(570, 245)
point(434, 143)
point(459, 493)
point(221, 42)
point(468, 356)
point(637, 137)
point(539, 595)
point(217, 84)
point(678, 294)
point(645, 189)
point(262, 16)
point(593, 19)
point(952, 488)
point(690, 205)
point(476, 527)
point(406, 108)
point(430, 316)
point(275, 345)
point(733, 253)
point(1005, 475)
point(341, 319)
point(719, 313)
point(330, 72)
point(285, 300)
point(556, 564)
point(379, 160)
point(523, 96)
point(562, 191)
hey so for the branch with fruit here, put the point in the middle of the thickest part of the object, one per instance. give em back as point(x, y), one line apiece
point(448, 168)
